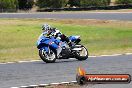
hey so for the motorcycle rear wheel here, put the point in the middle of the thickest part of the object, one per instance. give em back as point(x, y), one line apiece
point(83, 54)
point(47, 58)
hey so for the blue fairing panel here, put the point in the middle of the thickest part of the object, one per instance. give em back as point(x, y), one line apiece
point(74, 38)
point(45, 42)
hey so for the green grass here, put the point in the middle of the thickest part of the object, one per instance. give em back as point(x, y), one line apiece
point(18, 38)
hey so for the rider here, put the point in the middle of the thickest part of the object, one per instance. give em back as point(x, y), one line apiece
point(49, 39)
point(50, 31)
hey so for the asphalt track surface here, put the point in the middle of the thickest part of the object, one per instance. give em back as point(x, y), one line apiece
point(33, 73)
point(126, 16)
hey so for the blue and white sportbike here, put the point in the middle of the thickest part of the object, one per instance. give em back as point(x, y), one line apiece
point(51, 49)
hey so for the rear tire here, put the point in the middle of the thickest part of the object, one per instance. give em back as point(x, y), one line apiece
point(83, 54)
point(48, 59)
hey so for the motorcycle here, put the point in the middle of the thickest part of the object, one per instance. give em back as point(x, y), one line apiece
point(48, 53)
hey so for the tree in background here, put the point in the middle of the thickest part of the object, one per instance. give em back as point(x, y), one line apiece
point(8, 5)
point(58, 3)
point(74, 3)
point(43, 3)
point(86, 3)
point(25, 4)
point(51, 3)
point(126, 2)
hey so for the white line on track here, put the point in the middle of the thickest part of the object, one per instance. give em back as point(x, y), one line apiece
point(10, 62)
point(73, 81)
point(23, 86)
point(3, 63)
point(33, 85)
point(65, 82)
point(70, 58)
point(54, 83)
point(110, 55)
point(92, 56)
point(44, 85)
point(128, 53)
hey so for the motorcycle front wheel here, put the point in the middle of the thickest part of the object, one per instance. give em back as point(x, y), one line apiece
point(82, 54)
point(48, 58)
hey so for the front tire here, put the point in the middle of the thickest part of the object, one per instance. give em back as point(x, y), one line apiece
point(47, 58)
point(82, 54)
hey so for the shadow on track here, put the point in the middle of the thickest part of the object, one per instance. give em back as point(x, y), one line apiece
point(62, 61)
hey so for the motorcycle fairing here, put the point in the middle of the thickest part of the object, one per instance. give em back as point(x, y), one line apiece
point(46, 43)
point(74, 38)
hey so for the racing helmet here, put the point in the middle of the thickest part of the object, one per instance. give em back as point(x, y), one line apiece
point(46, 27)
